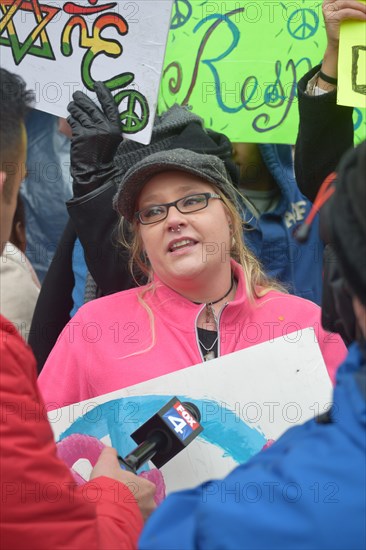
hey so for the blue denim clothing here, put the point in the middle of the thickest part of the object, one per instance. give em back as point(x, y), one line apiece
point(46, 188)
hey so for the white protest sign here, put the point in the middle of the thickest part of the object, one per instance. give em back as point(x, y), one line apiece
point(59, 47)
point(246, 399)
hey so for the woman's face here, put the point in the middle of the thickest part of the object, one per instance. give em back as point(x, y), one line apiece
point(185, 246)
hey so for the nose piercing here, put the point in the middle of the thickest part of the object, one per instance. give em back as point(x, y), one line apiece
point(175, 230)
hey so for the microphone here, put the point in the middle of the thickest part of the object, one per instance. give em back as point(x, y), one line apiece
point(164, 435)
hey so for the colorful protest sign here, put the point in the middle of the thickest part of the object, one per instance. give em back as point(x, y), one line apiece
point(236, 63)
point(244, 407)
point(60, 47)
point(352, 64)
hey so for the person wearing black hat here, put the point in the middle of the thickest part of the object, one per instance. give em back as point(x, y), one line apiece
point(204, 287)
point(307, 490)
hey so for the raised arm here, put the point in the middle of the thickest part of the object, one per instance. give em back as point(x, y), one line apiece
point(96, 135)
point(325, 128)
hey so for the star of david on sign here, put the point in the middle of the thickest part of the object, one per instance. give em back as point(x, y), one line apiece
point(42, 14)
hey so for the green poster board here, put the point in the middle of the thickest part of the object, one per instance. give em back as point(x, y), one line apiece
point(236, 63)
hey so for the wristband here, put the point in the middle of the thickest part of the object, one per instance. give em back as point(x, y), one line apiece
point(329, 79)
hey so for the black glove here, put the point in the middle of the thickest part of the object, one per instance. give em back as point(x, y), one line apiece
point(96, 135)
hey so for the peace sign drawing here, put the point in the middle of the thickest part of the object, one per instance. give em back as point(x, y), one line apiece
point(134, 115)
point(182, 11)
point(303, 24)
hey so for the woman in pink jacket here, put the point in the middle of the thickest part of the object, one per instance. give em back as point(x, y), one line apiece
point(207, 295)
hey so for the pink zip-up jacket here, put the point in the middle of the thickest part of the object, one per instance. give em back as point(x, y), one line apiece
point(99, 350)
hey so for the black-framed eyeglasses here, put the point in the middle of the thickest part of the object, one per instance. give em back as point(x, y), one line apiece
point(185, 205)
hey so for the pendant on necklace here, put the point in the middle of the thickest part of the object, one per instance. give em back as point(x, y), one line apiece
point(209, 355)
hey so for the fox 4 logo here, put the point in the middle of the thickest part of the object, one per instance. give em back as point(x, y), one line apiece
point(181, 421)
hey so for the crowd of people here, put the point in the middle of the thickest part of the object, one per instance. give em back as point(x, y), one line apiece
point(191, 244)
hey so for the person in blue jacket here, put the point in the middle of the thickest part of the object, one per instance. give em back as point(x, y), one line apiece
point(308, 490)
point(275, 210)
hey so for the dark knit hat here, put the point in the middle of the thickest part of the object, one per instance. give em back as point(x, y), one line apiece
point(347, 213)
point(208, 167)
point(177, 128)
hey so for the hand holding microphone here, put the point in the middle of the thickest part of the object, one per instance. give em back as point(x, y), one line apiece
point(142, 489)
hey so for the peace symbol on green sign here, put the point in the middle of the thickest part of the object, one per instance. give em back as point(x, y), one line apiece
point(302, 24)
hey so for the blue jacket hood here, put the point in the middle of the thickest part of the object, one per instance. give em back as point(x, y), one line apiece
point(279, 161)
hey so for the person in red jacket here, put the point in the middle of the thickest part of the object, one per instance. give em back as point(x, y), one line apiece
point(42, 506)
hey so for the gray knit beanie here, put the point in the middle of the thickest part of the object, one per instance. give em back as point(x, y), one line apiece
point(177, 128)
